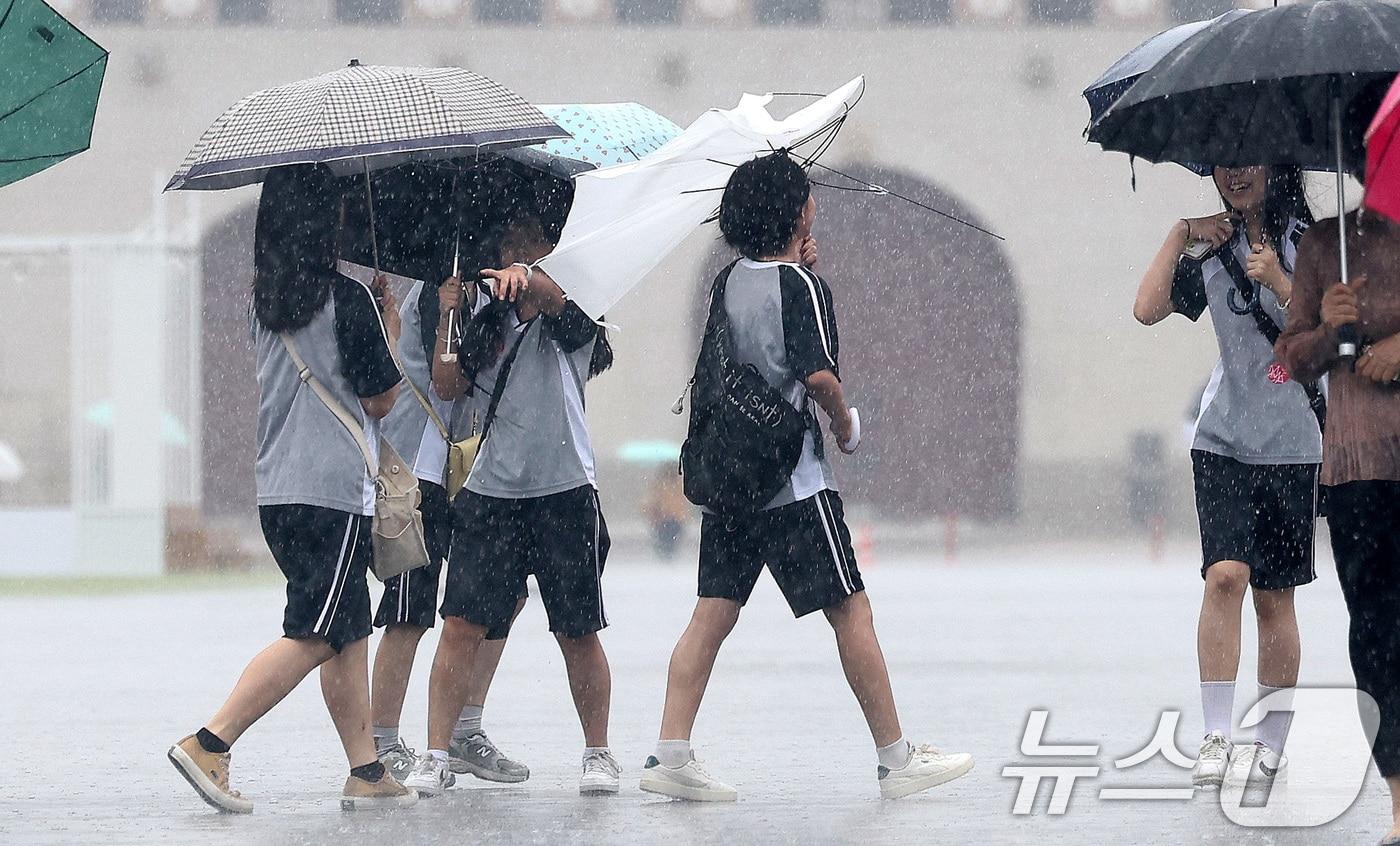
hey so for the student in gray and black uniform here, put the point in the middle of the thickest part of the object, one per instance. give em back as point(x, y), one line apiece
point(315, 495)
point(1255, 452)
point(530, 506)
point(783, 323)
point(408, 607)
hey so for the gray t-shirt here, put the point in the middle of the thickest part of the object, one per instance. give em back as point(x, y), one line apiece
point(1251, 410)
point(782, 321)
point(538, 442)
point(305, 454)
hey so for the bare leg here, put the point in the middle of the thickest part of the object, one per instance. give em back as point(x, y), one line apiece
point(393, 665)
point(1218, 632)
point(692, 661)
point(488, 658)
point(1279, 648)
point(864, 663)
point(451, 677)
point(590, 681)
point(268, 678)
point(345, 687)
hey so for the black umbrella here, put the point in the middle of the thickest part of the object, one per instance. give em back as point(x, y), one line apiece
point(1275, 87)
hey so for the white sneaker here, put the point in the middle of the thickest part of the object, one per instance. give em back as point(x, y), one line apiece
point(1213, 761)
point(1256, 767)
point(928, 767)
point(601, 774)
point(689, 781)
point(430, 777)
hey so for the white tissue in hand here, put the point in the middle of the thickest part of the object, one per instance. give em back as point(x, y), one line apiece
point(854, 442)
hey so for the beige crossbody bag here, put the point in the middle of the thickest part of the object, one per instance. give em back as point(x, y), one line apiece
point(399, 543)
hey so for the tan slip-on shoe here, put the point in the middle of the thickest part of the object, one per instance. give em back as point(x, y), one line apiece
point(207, 773)
point(362, 795)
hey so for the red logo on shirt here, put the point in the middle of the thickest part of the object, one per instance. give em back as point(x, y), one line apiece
point(1278, 374)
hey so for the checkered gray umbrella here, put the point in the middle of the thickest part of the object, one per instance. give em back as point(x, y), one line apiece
point(362, 114)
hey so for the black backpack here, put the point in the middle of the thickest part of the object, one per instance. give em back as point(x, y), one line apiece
point(744, 438)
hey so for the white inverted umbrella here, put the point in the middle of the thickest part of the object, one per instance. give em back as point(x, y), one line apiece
point(626, 219)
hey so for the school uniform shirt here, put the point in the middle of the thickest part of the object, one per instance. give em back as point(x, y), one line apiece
point(782, 321)
point(1251, 410)
point(407, 426)
point(538, 443)
point(305, 454)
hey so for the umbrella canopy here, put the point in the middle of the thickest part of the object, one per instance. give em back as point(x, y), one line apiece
point(626, 219)
point(601, 134)
point(50, 78)
point(361, 116)
point(1121, 75)
point(1383, 157)
point(1259, 89)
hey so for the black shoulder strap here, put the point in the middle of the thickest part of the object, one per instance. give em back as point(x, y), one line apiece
point(1267, 327)
point(501, 379)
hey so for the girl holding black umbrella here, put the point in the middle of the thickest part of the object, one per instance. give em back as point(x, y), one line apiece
point(1255, 450)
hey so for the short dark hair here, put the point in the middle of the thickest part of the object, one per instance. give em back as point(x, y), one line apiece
point(294, 245)
point(762, 205)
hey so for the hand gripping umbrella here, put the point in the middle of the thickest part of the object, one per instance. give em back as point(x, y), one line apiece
point(1271, 87)
point(50, 77)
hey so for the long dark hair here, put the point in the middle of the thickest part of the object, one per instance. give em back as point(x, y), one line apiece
point(1285, 199)
point(294, 248)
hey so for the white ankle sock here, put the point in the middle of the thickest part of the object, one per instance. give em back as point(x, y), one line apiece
point(1272, 730)
point(468, 723)
point(673, 753)
point(438, 754)
point(895, 756)
point(385, 737)
point(1218, 704)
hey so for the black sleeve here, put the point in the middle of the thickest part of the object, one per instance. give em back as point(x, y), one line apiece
point(571, 328)
point(1189, 289)
point(428, 320)
point(359, 333)
point(809, 323)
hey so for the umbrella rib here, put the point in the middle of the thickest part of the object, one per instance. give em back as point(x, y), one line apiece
point(910, 200)
point(54, 87)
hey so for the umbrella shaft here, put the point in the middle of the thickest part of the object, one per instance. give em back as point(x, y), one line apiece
point(1347, 347)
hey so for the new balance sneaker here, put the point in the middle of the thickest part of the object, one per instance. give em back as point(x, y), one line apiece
point(362, 795)
point(1255, 767)
point(689, 781)
point(398, 760)
point(430, 777)
point(601, 774)
point(480, 757)
point(928, 767)
point(1213, 761)
point(207, 773)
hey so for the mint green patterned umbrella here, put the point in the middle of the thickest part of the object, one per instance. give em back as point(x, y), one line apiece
point(50, 76)
point(603, 134)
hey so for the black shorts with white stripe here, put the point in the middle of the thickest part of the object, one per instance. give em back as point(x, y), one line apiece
point(561, 539)
point(805, 545)
point(325, 555)
point(411, 598)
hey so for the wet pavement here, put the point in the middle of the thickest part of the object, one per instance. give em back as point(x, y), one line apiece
point(96, 687)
